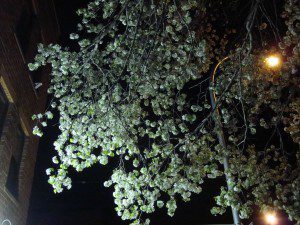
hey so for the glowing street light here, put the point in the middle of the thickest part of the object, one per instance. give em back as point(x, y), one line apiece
point(273, 61)
point(271, 218)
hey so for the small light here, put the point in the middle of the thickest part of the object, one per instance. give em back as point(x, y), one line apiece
point(271, 218)
point(273, 61)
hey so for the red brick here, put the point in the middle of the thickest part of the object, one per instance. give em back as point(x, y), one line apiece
point(24, 101)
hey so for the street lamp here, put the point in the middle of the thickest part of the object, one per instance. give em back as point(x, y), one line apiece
point(271, 218)
point(273, 61)
point(221, 137)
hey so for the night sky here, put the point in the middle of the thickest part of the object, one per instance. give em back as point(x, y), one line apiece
point(88, 202)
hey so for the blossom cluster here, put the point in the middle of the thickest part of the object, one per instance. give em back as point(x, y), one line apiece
point(126, 93)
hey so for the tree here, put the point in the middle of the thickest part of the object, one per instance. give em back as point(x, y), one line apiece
point(137, 89)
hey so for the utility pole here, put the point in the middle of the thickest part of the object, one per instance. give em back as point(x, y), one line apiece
point(221, 137)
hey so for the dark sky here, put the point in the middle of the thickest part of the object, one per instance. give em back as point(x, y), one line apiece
point(88, 202)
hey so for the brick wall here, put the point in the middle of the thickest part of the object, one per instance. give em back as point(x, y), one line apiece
point(18, 85)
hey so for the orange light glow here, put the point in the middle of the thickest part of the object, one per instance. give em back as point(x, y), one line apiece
point(271, 218)
point(273, 61)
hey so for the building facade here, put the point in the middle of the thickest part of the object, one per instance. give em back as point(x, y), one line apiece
point(23, 24)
